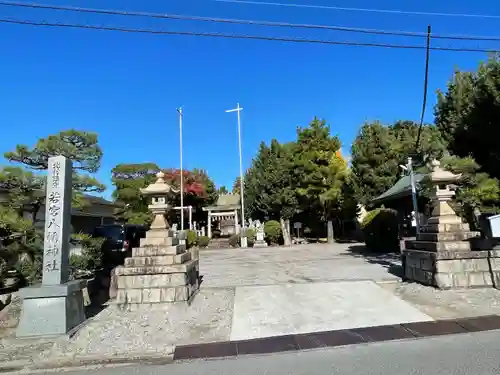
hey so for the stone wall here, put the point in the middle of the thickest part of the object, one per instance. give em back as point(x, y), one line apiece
point(453, 269)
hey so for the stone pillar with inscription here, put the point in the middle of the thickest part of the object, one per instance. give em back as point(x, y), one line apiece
point(56, 306)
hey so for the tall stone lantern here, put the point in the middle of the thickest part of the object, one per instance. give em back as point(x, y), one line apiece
point(441, 194)
point(441, 255)
point(160, 270)
point(159, 193)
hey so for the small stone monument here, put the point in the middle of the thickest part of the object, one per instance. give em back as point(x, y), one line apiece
point(160, 270)
point(259, 240)
point(56, 306)
point(443, 254)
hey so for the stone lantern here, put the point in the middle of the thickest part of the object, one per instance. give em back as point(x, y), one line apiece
point(159, 193)
point(442, 254)
point(441, 194)
point(160, 270)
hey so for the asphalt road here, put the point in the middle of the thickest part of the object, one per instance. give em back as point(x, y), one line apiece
point(471, 354)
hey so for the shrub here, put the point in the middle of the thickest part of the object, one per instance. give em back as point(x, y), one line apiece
point(272, 230)
point(91, 257)
point(234, 240)
point(203, 241)
point(191, 238)
point(380, 230)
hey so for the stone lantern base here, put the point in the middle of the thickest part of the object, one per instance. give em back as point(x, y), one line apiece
point(442, 257)
point(160, 271)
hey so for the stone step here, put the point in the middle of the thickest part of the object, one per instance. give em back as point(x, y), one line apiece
point(154, 281)
point(162, 260)
point(448, 236)
point(438, 246)
point(158, 250)
point(152, 270)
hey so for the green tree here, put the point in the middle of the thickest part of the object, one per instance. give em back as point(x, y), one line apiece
point(222, 190)
point(269, 189)
point(128, 179)
point(237, 185)
point(320, 172)
point(378, 150)
point(374, 161)
point(467, 113)
point(79, 146)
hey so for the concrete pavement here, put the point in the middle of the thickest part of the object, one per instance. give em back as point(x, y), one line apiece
point(466, 354)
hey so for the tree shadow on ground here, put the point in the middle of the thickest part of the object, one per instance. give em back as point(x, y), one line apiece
point(390, 261)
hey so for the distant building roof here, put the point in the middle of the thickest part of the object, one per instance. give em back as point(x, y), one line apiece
point(228, 201)
point(400, 189)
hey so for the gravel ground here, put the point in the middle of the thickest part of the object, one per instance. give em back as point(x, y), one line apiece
point(447, 304)
point(114, 331)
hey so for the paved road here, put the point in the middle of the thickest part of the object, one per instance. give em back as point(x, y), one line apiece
point(467, 354)
point(298, 264)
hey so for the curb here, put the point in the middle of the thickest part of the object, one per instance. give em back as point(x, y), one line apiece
point(89, 360)
point(338, 338)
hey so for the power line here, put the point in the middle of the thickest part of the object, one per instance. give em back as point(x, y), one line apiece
point(239, 36)
point(246, 22)
point(426, 83)
point(392, 11)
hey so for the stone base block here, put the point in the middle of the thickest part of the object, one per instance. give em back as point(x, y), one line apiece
point(438, 246)
point(447, 236)
point(159, 241)
point(453, 269)
point(158, 284)
point(158, 250)
point(260, 244)
point(51, 310)
point(162, 260)
point(154, 270)
point(440, 228)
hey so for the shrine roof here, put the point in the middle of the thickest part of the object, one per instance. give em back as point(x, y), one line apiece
point(402, 188)
point(225, 202)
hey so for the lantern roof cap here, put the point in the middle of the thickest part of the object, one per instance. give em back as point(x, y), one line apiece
point(160, 187)
point(439, 174)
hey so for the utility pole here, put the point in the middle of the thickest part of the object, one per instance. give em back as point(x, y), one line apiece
point(238, 109)
point(179, 110)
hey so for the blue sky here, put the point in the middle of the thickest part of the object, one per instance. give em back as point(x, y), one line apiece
point(126, 87)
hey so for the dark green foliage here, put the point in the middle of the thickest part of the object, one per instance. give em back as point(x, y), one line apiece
point(272, 231)
point(467, 115)
point(79, 146)
point(91, 257)
point(203, 241)
point(128, 179)
point(380, 230)
point(269, 190)
point(191, 238)
point(302, 179)
point(378, 150)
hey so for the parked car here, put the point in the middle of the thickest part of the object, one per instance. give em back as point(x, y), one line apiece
point(120, 239)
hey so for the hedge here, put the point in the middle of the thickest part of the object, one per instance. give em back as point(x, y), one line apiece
point(380, 230)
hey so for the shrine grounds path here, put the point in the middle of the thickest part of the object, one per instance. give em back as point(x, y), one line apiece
point(296, 264)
